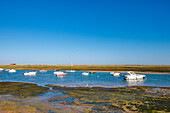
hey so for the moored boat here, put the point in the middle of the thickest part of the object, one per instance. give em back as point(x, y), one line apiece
point(133, 76)
point(72, 71)
point(60, 73)
point(1, 69)
point(85, 73)
point(112, 73)
point(42, 71)
point(115, 73)
point(30, 73)
point(92, 72)
point(7, 69)
point(12, 71)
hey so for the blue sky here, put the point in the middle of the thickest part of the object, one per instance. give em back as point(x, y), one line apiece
point(85, 31)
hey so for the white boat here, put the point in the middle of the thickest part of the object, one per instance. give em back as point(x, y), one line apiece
point(42, 71)
point(1, 69)
point(72, 71)
point(12, 71)
point(115, 73)
point(133, 76)
point(7, 69)
point(60, 73)
point(30, 73)
point(85, 73)
point(112, 73)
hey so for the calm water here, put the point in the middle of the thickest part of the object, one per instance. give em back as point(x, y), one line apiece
point(96, 79)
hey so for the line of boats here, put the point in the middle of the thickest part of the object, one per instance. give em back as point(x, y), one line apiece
point(9, 70)
point(130, 74)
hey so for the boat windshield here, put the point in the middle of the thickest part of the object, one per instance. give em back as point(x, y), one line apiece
point(131, 73)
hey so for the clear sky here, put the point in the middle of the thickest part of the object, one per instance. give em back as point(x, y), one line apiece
point(85, 31)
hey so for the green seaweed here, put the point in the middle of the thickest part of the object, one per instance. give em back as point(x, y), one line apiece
point(128, 99)
point(83, 99)
point(21, 89)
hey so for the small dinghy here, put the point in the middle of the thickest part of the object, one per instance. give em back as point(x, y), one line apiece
point(115, 73)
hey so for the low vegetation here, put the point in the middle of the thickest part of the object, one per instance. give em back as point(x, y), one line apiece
point(137, 68)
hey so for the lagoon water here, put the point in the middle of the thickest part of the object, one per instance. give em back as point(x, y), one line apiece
point(74, 79)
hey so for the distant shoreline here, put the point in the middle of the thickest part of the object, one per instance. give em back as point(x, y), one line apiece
point(151, 69)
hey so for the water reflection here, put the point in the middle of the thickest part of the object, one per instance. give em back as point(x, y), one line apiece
point(135, 82)
point(60, 77)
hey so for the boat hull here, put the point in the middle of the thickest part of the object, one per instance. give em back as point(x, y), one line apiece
point(134, 77)
point(85, 74)
point(60, 73)
point(12, 71)
point(114, 73)
point(30, 74)
point(64, 74)
point(42, 71)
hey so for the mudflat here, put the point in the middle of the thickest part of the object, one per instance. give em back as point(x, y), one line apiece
point(26, 97)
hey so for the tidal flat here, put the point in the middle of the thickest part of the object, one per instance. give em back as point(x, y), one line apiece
point(26, 97)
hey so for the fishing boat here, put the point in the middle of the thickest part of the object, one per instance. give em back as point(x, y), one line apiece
point(115, 73)
point(85, 73)
point(30, 73)
point(133, 76)
point(1, 69)
point(60, 73)
point(42, 71)
point(12, 71)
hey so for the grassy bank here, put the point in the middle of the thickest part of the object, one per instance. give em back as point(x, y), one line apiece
point(121, 68)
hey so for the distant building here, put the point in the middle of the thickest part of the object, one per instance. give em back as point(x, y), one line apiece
point(13, 64)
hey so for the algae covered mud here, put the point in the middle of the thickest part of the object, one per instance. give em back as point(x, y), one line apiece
point(26, 97)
